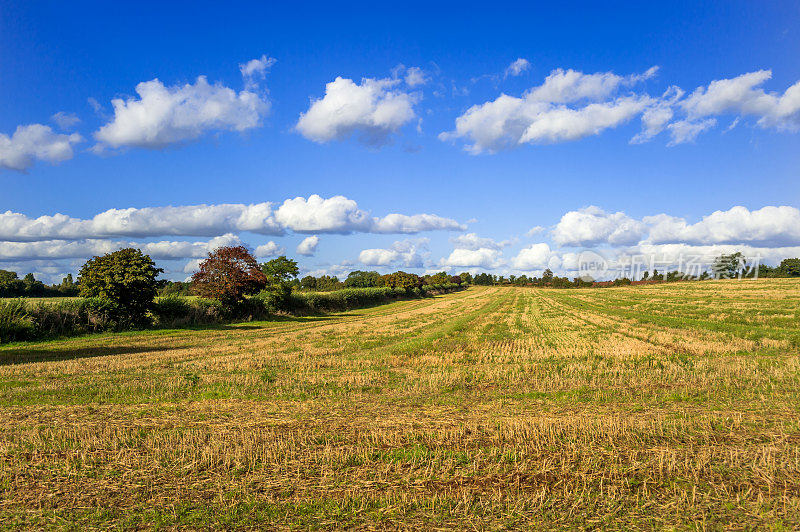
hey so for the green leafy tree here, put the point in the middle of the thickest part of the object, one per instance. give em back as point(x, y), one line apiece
point(279, 271)
point(327, 283)
point(728, 266)
point(466, 277)
point(362, 279)
point(402, 279)
point(309, 282)
point(547, 276)
point(10, 284)
point(127, 279)
point(790, 267)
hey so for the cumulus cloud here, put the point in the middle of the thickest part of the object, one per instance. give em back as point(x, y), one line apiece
point(517, 67)
point(473, 241)
point(35, 142)
point(744, 95)
point(163, 115)
point(592, 225)
point(270, 249)
point(536, 257)
point(308, 246)
point(768, 226)
point(473, 258)
point(372, 110)
point(302, 215)
point(775, 226)
point(66, 249)
point(406, 253)
point(542, 115)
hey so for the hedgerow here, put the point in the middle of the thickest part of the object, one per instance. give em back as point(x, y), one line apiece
point(20, 320)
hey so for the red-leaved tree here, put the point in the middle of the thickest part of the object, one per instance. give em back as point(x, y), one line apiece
point(229, 274)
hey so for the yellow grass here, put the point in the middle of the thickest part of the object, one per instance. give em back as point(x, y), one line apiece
point(658, 406)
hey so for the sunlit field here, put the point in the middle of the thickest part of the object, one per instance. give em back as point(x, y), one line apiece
point(672, 405)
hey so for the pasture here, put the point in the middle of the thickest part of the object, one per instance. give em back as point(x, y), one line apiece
point(671, 405)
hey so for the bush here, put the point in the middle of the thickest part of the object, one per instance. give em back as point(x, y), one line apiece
point(125, 281)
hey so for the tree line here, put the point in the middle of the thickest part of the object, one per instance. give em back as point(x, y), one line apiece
point(120, 290)
point(12, 286)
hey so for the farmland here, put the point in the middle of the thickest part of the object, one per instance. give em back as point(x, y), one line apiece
point(667, 405)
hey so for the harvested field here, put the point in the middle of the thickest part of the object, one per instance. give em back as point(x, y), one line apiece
point(652, 406)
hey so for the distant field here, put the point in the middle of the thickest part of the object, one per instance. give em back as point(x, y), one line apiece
point(673, 405)
point(37, 300)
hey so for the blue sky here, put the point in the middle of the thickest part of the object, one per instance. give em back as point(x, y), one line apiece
point(571, 173)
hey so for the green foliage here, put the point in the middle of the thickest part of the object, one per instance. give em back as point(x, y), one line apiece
point(402, 279)
point(176, 288)
point(728, 266)
point(362, 279)
point(280, 270)
point(790, 267)
point(126, 279)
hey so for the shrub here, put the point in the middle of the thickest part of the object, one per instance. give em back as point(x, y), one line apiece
point(126, 279)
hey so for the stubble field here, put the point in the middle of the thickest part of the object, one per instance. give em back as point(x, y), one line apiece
point(655, 406)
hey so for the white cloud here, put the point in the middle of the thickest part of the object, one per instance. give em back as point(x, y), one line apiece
point(473, 258)
point(517, 67)
point(415, 223)
point(407, 253)
point(473, 241)
point(67, 249)
point(316, 214)
point(565, 124)
point(536, 257)
point(163, 115)
point(308, 246)
point(372, 110)
point(657, 116)
point(32, 142)
point(65, 120)
point(415, 76)
point(775, 226)
point(270, 249)
point(564, 86)
point(768, 226)
point(592, 225)
point(686, 131)
point(312, 215)
point(542, 116)
point(535, 230)
point(741, 95)
point(255, 70)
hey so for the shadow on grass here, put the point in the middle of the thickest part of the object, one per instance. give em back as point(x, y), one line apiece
point(27, 355)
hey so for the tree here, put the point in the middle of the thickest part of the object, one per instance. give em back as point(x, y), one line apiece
point(127, 279)
point(327, 283)
point(280, 271)
point(547, 276)
point(466, 277)
point(790, 267)
point(728, 266)
point(228, 275)
point(362, 279)
point(10, 285)
point(402, 280)
point(309, 282)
